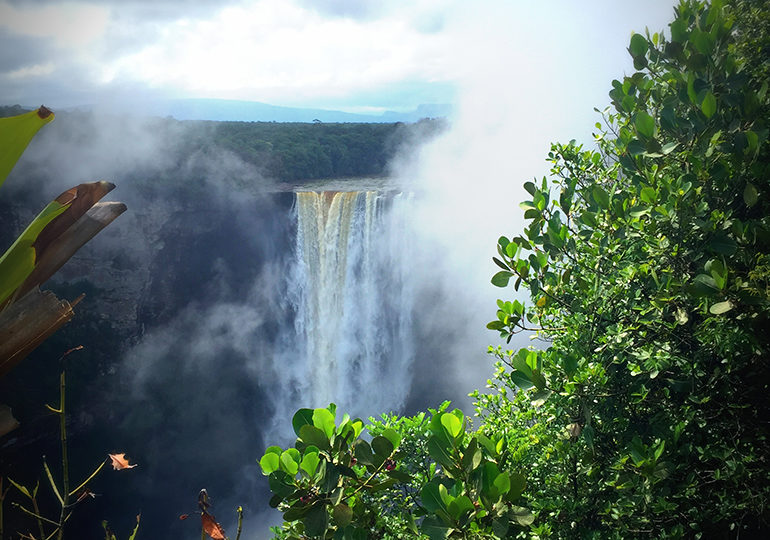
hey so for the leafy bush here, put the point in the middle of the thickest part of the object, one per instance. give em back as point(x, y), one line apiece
point(647, 263)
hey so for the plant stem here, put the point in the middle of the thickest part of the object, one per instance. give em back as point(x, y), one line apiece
point(64, 458)
point(240, 523)
point(82, 485)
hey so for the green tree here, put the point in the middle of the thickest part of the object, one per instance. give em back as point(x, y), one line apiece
point(647, 266)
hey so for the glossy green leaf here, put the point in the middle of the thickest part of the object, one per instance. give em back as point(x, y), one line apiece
point(290, 461)
point(382, 447)
point(638, 46)
point(311, 435)
point(501, 278)
point(439, 451)
point(309, 462)
point(301, 417)
point(269, 463)
point(645, 124)
point(452, 424)
point(323, 419)
point(709, 105)
point(648, 195)
point(431, 497)
point(521, 380)
point(750, 194)
point(601, 197)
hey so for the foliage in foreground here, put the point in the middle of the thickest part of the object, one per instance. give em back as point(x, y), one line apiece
point(335, 484)
point(647, 266)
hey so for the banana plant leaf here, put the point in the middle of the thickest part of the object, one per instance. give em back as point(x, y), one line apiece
point(15, 134)
point(27, 323)
point(21, 259)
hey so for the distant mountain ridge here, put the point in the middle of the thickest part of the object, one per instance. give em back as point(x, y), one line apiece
point(255, 111)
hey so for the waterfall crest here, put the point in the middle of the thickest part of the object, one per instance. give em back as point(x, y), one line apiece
point(351, 342)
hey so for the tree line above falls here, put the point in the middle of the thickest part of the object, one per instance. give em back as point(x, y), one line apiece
point(284, 152)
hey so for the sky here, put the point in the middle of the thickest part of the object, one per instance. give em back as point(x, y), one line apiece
point(353, 55)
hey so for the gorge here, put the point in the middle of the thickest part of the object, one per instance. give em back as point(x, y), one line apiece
point(218, 306)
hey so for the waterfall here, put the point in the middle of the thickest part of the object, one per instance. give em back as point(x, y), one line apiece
point(351, 342)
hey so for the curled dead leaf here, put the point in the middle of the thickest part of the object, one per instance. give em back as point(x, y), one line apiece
point(120, 462)
point(211, 527)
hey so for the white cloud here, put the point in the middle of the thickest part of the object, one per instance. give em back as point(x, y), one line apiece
point(35, 70)
point(70, 24)
point(277, 51)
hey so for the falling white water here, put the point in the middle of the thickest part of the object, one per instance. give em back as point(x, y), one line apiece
point(351, 342)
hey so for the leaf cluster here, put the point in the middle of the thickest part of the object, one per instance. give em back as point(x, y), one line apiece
point(333, 483)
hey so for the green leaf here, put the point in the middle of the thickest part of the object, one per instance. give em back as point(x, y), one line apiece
point(530, 187)
point(434, 528)
point(645, 124)
point(400, 476)
point(750, 194)
point(501, 279)
point(648, 195)
point(393, 436)
point(15, 134)
point(363, 452)
point(301, 417)
point(460, 507)
point(518, 484)
point(521, 515)
point(636, 147)
point(601, 197)
point(342, 514)
point(452, 424)
point(521, 380)
point(270, 462)
point(723, 244)
point(309, 463)
point(289, 462)
point(317, 520)
point(323, 419)
point(721, 307)
point(21, 488)
point(280, 483)
point(540, 397)
point(502, 483)
point(638, 46)
point(439, 451)
point(669, 147)
point(709, 105)
point(431, 497)
point(311, 435)
point(382, 447)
